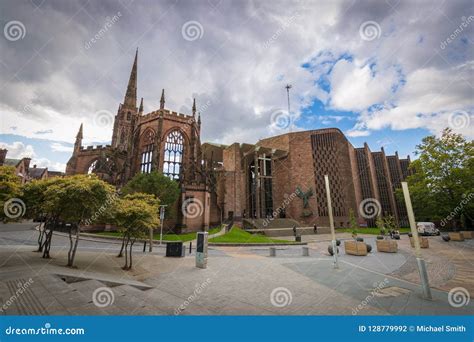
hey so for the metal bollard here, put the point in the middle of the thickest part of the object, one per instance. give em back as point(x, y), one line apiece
point(305, 251)
point(190, 247)
point(272, 251)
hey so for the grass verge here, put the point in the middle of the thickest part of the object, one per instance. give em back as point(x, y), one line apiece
point(374, 231)
point(237, 235)
point(168, 237)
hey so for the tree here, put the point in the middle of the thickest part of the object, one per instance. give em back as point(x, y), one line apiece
point(10, 189)
point(33, 196)
point(353, 222)
point(442, 183)
point(154, 183)
point(380, 223)
point(85, 196)
point(70, 202)
point(135, 215)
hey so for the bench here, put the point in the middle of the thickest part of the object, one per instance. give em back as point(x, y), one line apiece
point(456, 236)
point(467, 234)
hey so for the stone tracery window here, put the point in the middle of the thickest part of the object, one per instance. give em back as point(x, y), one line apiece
point(147, 146)
point(92, 167)
point(173, 156)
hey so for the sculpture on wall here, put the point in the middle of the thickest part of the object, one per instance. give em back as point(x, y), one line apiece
point(305, 197)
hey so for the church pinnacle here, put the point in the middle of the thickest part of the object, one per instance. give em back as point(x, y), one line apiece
point(130, 100)
point(162, 100)
point(194, 107)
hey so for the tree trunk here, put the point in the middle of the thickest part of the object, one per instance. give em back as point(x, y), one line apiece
point(121, 248)
point(72, 247)
point(131, 247)
point(125, 267)
point(41, 236)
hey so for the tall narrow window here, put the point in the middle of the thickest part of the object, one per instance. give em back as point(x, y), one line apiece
point(92, 167)
point(147, 146)
point(173, 157)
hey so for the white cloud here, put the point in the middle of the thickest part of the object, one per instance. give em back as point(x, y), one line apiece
point(18, 150)
point(58, 147)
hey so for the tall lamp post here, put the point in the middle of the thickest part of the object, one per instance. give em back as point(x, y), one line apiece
point(288, 87)
point(331, 222)
point(414, 232)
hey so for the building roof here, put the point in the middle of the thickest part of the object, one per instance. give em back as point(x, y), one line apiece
point(37, 172)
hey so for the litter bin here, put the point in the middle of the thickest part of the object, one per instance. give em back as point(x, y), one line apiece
point(298, 238)
point(175, 249)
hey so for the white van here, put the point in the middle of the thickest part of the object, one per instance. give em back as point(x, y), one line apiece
point(427, 228)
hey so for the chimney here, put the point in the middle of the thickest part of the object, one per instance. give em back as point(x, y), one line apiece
point(3, 155)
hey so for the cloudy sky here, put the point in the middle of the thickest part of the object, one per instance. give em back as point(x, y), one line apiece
point(386, 72)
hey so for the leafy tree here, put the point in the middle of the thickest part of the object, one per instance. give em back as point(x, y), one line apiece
point(353, 222)
point(10, 187)
point(155, 183)
point(380, 223)
point(33, 196)
point(442, 183)
point(135, 215)
point(84, 196)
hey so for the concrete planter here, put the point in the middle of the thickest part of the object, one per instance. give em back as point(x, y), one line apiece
point(355, 248)
point(456, 236)
point(387, 246)
point(424, 242)
point(467, 234)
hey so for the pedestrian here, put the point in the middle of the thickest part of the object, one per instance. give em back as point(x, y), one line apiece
point(294, 230)
point(315, 228)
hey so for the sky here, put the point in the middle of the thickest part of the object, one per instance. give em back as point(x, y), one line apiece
point(384, 72)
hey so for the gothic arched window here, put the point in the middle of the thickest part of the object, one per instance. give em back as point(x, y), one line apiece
point(147, 146)
point(92, 167)
point(173, 157)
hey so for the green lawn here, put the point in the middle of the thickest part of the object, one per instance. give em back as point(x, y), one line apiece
point(168, 237)
point(374, 231)
point(237, 235)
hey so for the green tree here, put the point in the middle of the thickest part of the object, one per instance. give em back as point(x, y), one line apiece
point(380, 223)
point(10, 189)
point(164, 188)
point(353, 222)
point(135, 215)
point(33, 196)
point(442, 183)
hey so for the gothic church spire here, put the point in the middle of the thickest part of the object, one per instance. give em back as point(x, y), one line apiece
point(130, 100)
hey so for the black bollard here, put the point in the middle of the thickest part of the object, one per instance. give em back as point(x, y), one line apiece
point(144, 247)
point(190, 247)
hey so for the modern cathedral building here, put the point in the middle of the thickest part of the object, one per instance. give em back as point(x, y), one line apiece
point(278, 177)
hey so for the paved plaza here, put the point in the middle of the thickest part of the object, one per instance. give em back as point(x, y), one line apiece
point(238, 280)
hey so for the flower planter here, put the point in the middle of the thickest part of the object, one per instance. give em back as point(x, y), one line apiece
point(387, 246)
point(456, 236)
point(467, 234)
point(355, 248)
point(423, 242)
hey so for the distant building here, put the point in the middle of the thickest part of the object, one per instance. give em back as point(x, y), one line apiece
point(22, 165)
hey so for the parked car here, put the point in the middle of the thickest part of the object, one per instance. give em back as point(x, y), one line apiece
point(427, 228)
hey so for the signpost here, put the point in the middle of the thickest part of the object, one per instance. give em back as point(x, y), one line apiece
point(162, 218)
point(419, 258)
point(201, 250)
point(331, 222)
